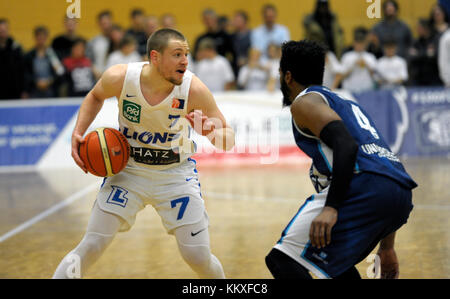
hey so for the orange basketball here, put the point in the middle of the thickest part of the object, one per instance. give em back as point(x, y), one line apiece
point(105, 152)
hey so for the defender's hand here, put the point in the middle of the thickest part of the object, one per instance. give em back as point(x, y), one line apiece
point(76, 141)
point(320, 230)
point(389, 264)
point(201, 123)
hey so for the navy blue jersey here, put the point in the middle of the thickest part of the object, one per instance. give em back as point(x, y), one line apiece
point(374, 155)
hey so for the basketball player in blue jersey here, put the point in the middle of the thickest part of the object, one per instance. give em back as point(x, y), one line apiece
point(363, 192)
point(160, 101)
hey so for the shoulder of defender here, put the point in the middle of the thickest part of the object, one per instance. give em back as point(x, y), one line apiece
point(305, 102)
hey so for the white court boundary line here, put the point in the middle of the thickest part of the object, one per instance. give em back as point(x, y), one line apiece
point(53, 209)
point(227, 196)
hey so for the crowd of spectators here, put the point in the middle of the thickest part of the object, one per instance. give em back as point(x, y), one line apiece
point(230, 55)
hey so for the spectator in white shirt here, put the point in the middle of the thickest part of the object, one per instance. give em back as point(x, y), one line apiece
point(97, 48)
point(444, 58)
point(358, 66)
point(270, 32)
point(332, 68)
point(253, 76)
point(273, 66)
point(213, 69)
point(126, 54)
point(392, 70)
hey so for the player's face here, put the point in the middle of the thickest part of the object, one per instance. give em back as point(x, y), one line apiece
point(174, 62)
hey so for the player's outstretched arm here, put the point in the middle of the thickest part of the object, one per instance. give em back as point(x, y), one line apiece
point(109, 85)
point(206, 118)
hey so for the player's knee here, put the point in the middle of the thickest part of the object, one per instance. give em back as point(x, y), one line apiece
point(197, 257)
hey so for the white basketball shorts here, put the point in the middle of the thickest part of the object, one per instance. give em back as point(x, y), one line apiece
point(174, 193)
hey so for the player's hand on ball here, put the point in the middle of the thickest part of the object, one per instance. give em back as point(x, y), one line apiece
point(389, 264)
point(76, 141)
point(201, 123)
point(320, 230)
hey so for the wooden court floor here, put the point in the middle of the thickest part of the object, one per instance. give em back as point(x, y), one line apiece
point(248, 208)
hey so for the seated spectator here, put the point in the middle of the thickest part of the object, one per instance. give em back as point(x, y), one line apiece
point(332, 69)
point(12, 65)
point(127, 52)
point(168, 21)
point(213, 69)
point(358, 66)
point(323, 26)
point(444, 58)
point(115, 38)
point(222, 40)
point(273, 66)
point(423, 66)
point(253, 76)
point(97, 48)
point(241, 38)
point(137, 30)
point(43, 69)
point(392, 70)
point(270, 32)
point(62, 44)
point(392, 28)
point(438, 20)
point(79, 72)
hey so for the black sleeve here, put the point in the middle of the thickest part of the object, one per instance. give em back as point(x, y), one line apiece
point(336, 136)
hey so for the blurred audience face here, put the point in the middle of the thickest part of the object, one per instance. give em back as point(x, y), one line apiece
point(4, 31)
point(41, 39)
point(390, 11)
point(116, 34)
point(210, 20)
point(78, 50)
point(168, 21)
point(105, 24)
point(151, 24)
point(390, 50)
point(128, 49)
point(360, 46)
point(137, 21)
point(239, 23)
point(269, 16)
point(422, 30)
point(438, 15)
point(70, 25)
point(274, 51)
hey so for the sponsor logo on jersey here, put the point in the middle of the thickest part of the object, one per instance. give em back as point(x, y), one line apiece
point(131, 111)
point(178, 103)
point(152, 156)
point(149, 137)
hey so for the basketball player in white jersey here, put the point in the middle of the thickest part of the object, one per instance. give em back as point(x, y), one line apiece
point(159, 101)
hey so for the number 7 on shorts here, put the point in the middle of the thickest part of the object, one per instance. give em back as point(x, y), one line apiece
point(184, 201)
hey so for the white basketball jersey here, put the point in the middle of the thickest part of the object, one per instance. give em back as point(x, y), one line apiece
point(159, 135)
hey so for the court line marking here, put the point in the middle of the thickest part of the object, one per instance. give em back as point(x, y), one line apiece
point(232, 196)
point(53, 209)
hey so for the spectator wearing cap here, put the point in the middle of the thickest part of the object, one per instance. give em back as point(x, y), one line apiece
point(357, 66)
point(213, 69)
point(391, 28)
point(323, 26)
point(269, 32)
